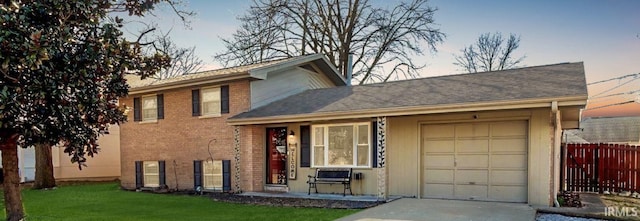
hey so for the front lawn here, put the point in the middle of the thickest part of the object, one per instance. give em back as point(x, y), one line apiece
point(105, 201)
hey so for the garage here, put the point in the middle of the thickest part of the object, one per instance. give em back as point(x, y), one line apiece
point(484, 161)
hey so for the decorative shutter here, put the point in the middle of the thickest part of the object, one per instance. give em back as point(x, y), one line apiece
point(305, 146)
point(224, 99)
point(195, 102)
point(139, 181)
point(197, 174)
point(374, 144)
point(137, 109)
point(160, 98)
point(162, 176)
point(226, 175)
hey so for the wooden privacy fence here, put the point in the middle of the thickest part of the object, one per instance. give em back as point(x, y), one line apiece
point(600, 167)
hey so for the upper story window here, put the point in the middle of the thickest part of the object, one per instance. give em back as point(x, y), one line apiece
point(341, 145)
point(212, 101)
point(148, 108)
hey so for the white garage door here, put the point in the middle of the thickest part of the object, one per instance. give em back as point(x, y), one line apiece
point(476, 161)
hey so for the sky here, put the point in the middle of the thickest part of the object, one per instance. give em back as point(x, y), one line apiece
point(603, 34)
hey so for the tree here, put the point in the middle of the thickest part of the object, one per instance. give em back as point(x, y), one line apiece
point(183, 60)
point(62, 67)
point(44, 167)
point(489, 53)
point(379, 38)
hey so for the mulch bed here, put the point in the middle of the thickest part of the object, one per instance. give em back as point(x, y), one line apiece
point(292, 202)
point(570, 199)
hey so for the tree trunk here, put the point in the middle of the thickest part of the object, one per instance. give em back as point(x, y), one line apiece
point(11, 184)
point(44, 167)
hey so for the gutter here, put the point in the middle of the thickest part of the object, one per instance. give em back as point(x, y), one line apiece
point(188, 83)
point(415, 110)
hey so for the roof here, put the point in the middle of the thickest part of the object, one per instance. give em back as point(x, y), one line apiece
point(256, 71)
point(549, 82)
point(573, 136)
point(610, 129)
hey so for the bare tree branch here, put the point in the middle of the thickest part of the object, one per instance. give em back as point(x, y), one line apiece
point(337, 28)
point(183, 60)
point(489, 53)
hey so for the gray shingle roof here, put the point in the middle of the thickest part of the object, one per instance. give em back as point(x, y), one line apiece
point(549, 81)
point(610, 129)
point(573, 136)
point(136, 82)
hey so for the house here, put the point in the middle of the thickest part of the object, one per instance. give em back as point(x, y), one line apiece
point(103, 166)
point(615, 130)
point(492, 136)
point(177, 136)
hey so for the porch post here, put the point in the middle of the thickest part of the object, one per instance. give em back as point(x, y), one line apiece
point(382, 155)
point(236, 153)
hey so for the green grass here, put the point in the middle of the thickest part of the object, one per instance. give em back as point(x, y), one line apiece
point(106, 201)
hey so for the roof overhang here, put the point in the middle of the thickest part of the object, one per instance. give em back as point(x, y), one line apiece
point(260, 73)
point(576, 101)
point(188, 83)
point(319, 60)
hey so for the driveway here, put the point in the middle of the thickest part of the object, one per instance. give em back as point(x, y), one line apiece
point(435, 209)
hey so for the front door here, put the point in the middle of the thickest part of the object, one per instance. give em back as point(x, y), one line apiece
point(277, 155)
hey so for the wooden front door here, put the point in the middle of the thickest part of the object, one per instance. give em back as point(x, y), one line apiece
point(277, 155)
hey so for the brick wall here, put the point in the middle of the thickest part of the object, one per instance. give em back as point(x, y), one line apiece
point(252, 158)
point(180, 138)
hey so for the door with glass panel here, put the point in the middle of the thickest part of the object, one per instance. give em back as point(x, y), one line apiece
point(277, 155)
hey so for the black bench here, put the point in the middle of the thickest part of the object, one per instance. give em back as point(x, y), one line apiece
point(331, 176)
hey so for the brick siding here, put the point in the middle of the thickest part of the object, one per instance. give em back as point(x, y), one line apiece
point(181, 138)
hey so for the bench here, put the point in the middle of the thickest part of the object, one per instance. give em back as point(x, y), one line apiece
point(331, 176)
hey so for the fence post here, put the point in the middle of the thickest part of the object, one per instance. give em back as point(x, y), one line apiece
point(563, 167)
point(596, 170)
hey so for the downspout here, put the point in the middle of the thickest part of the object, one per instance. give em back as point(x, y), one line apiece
point(554, 111)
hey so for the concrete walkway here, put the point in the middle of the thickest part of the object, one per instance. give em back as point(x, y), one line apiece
point(434, 209)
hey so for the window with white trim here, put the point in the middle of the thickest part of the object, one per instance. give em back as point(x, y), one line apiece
point(149, 108)
point(341, 145)
point(210, 101)
point(212, 174)
point(151, 173)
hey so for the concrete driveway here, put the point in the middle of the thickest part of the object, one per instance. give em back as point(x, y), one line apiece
point(435, 209)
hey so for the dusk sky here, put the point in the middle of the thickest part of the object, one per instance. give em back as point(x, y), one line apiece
point(605, 35)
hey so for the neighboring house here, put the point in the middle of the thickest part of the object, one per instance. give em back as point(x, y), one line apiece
point(177, 136)
point(573, 136)
point(492, 136)
point(615, 130)
point(103, 166)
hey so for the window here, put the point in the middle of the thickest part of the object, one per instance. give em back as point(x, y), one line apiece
point(210, 101)
point(151, 174)
point(212, 174)
point(149, 108)
point(341, 145)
